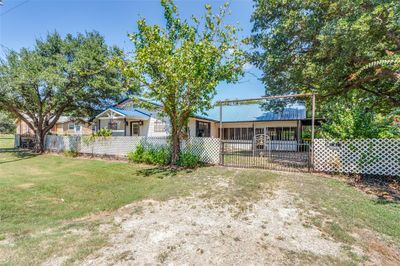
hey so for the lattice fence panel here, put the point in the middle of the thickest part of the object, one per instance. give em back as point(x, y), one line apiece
point(364, 156)
point(207, 148)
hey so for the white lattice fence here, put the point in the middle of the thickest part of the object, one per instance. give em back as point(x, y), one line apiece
point(364, 156)
point(207, 148)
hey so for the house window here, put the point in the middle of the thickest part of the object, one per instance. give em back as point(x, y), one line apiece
point(75, 127)
point(160, 126)
point(245, 133)
point(282, 133)
point(203, 129)
point(94, 127)
point(112, 125)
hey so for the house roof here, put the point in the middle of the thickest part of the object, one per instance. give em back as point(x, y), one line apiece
point(132, 112)
point(253, 113)
point(64, 119)
point(233, 113)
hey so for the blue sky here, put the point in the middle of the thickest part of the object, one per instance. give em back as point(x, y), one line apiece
point(22, 21)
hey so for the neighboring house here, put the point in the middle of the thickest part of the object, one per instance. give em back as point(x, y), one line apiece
point(239, 122)
point(64, 126)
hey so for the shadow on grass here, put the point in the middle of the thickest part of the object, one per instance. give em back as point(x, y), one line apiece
point(17, 155)
point(385, 188)
point(384, 201)
point(163, 171)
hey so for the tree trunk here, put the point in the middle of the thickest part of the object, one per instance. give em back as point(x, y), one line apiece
point(176, 147)
point(39, 143)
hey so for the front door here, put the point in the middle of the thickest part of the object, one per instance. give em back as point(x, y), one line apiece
point(135, 129)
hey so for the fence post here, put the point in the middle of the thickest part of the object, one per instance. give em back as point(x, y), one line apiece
point(309, 159)
point(221, 152)
point(253, 145)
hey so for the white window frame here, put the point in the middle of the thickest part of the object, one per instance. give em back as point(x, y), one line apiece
point(160, 126)
point(78, 126)
point(74, 127)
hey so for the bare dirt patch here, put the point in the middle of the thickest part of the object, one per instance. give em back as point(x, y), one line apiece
point(26, 185)
point(380, 251)
point(197, 231)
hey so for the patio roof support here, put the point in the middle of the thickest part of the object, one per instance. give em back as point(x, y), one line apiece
point(312, 128)
point(263, 98)
point(254, 139)
point(220, 136)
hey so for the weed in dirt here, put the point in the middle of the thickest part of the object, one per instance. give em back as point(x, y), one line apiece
point(124, 256)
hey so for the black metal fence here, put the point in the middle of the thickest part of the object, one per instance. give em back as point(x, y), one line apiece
point(277, 155)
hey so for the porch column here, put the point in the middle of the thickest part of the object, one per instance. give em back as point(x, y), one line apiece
point(124, 126)
point(298, 135)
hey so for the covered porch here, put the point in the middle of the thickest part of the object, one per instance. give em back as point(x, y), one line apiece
point(123, 122)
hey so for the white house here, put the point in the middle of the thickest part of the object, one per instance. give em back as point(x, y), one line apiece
point(239, 122)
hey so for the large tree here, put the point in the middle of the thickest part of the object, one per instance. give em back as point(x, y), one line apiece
point(70, 75)
point(180, 64)
point(335, 48)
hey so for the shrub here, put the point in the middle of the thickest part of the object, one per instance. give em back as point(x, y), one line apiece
point(188, 159)
point(151, 155)
point(136, 155)
point(70, 153)
point(161, 155)
point(103, 132)
point(157, 155)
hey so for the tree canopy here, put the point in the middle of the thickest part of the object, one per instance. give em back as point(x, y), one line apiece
point(58, 76)
point(7, 124)
point(180, 64)
point(337, 48)
point(352, 120)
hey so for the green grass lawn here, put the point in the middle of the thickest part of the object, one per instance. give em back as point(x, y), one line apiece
point(6, 141)
point(43, 197)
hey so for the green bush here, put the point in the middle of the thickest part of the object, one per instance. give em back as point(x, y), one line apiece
point(103, 132)
point(188, 159)
point(151, 155)
point(136, 155)
point(161, 155)
point(71, 153)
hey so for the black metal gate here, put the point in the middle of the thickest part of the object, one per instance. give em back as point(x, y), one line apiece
point(282, 155)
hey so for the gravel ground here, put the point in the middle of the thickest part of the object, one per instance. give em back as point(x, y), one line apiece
point(195, 231)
